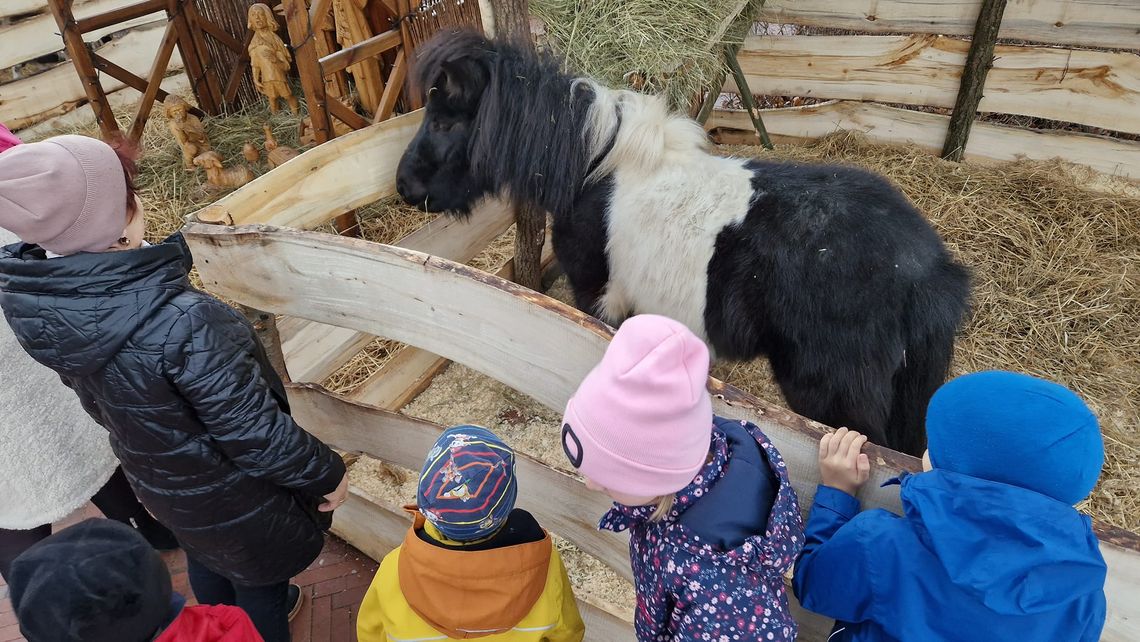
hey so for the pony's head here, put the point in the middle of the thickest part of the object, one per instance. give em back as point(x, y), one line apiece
point(453, 70)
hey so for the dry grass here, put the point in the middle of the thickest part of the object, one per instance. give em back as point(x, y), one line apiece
point(672, 46)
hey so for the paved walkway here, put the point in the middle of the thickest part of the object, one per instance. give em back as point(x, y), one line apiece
point(335, 584)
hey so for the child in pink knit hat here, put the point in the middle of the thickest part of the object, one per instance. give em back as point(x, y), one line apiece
point(714, 523)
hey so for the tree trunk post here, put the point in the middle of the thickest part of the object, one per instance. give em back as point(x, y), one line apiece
point(978, 63)
point(511, 20)
point(265, 326)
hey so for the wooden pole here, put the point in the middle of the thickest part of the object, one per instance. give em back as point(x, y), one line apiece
point(978, 63)
point(746, 96)
point(265, 326)
point(512, 22)
point(81, 58)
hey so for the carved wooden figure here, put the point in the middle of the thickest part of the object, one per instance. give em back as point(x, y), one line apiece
point(269, 59)
point(220, 176)
point(186, 128)
point(250, 152)
point(276, 154)
point(351, 28)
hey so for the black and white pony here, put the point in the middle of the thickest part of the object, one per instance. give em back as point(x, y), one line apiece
point(828, 271)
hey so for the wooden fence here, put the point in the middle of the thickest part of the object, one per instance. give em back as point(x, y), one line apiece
point(866, 76)
point(334, 294)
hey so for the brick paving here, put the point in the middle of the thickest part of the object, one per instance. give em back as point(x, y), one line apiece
point(334, 585)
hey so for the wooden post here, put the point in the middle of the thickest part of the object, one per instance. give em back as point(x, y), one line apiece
point(265, 325)
point(81, 55)
point(512, 22)
point(978, 63)
point(746, 96)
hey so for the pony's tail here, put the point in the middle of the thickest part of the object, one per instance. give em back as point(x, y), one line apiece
point(933, 313)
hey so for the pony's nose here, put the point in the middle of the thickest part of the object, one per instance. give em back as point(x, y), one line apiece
point(411, 191)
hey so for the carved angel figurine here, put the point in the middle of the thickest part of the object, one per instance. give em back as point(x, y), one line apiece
point(187, 130)
point(269, 58)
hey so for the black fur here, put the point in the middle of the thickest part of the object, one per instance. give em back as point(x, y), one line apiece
point(833, 274)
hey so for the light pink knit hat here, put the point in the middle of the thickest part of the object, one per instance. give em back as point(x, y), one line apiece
point(641, 421)
point(66, 194)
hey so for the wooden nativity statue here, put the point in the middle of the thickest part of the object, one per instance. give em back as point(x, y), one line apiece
point(352, 28)
point(187, 129)
point(269, 58)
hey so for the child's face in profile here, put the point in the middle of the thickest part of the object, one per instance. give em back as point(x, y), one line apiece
point(621, 498)
point(926, 466)
point(134, 231)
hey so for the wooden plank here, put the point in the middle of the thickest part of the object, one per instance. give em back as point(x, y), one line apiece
point(19, 8)
point(376, 528)
point(113, 17)
point(411, 371)
point(400, 380)
point(988, 142)
point(134, 81)
point(1094, 88)
point(125, 98)
point(1089, 23)
point(315, 351)
point(346, 115)
point(362, 50)
point(154, 80)
point(393, 88)
point(308, 67)
point(80, 56)
point(39, 36)
point(60, 90)
point(341, 175)
point(524, 339)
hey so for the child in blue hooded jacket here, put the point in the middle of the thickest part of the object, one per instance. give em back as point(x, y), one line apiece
point(989, 547)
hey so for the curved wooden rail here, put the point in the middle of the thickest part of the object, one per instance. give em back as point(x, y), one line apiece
point(528, 341)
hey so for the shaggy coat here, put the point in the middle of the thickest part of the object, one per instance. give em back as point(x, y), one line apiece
point(828, 271)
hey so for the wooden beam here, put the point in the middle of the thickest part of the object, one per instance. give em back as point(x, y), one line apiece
point(362, 50)
point(978, 63)
point(393, 89)
point(134, 82)
point(1108, 24)
point(154, 81)
point(347, 116)
point(1096, 88)
point(81, 59)
point(988, 142)
point(411, 371)
point(524, 339)
point(222, 36)
point(302, 39)
point(196, 57)
point(34, 37)
point(315, 351)
point(328, 182)
point(83, 116)
point(120, 15)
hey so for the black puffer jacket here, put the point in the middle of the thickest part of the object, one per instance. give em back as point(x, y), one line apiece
point(197, 416)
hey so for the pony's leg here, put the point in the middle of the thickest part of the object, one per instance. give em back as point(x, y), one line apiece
point(849, 393)
point(579, 241)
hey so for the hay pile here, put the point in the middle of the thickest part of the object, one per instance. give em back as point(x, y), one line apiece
point(672, 46)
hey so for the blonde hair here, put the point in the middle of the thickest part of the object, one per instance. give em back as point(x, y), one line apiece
point(664, 507)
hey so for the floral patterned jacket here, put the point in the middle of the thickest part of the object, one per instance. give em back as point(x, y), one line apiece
point(714, 568)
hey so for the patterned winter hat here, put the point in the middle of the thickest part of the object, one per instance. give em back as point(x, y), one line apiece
point(467, 488)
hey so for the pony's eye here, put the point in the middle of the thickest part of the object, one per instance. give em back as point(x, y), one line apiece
point(439, 126)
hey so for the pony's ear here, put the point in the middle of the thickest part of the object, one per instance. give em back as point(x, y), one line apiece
point(463, 81)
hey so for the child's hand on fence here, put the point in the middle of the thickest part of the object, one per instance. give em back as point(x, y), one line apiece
point(841, 465)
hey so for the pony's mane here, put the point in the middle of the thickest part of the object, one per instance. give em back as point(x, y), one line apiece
point(538, 131)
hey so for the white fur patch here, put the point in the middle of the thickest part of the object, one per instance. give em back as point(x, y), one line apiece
point(671, 199)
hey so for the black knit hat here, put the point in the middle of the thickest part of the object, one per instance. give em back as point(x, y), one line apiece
point(96, 581)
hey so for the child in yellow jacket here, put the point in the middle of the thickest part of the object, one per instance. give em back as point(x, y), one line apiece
point(472, 565)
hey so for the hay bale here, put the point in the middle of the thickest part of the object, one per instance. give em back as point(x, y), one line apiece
point(674, 48)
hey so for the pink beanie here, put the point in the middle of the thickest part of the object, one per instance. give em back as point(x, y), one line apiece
point(66, 194)
point(641, 421)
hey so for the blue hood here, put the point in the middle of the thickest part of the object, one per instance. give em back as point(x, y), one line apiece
point(1017, 551)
